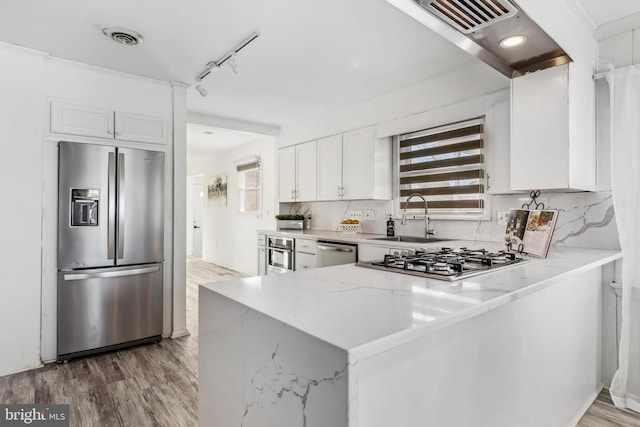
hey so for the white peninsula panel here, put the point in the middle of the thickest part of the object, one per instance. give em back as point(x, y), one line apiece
point(350, 346)
point(265, 372)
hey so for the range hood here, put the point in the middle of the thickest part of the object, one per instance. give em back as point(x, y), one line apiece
point(479, 27)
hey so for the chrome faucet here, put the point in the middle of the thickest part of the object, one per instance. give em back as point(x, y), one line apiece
point(427, 231)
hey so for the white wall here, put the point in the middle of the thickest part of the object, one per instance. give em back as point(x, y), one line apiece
point(28, 170)
point(229, 237)
point(400, 111)
point(22, 85)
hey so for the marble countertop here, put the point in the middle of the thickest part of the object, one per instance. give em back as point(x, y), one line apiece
point(366, 311)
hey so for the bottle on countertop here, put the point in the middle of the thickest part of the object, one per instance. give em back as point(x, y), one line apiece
point(391, 226)
point(308, 215)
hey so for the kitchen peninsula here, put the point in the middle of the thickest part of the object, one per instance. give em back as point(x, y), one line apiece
point(350, 346)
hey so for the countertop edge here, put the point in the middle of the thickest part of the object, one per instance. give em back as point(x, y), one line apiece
point(380, 345)
point(399, 338)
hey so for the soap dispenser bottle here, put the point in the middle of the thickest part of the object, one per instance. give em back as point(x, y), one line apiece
point(391, 226)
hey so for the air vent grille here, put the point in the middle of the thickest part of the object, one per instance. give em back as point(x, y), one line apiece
point(123, 36)
point(468, 16)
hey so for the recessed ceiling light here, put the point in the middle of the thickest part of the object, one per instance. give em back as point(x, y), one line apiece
point(123, 36)
point(513, 41)
point(208, 132)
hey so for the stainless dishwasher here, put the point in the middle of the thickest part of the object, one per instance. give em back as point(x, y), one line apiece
point(332, 253)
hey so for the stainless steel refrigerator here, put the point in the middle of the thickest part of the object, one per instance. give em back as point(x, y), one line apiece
point(110, 247)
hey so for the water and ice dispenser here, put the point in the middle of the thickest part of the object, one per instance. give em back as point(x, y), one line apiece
point(84, 207)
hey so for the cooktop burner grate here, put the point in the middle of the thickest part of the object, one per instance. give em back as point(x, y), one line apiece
point(445, 263)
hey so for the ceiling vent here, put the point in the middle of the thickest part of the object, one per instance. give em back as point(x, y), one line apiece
point(123, 36)
point(468, 16)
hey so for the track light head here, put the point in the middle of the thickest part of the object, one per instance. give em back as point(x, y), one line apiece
point(202, 91)
point(232, 62)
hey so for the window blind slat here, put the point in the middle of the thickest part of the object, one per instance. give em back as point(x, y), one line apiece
point(442, 136)
point(441, 191)
point(449, 176)
point(436, 164)
point(446, 204)
point(443, 149)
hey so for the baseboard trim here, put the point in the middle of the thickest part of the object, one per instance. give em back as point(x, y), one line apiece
point(179, 334)
point(583, 410)
point(26, 368)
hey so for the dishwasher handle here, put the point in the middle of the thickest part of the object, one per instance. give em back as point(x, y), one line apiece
point(335, 248)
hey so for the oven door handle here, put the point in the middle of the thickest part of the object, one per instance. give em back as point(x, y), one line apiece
point(284, 251)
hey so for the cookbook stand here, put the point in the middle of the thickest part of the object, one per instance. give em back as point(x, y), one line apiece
point(534, 200)
point(530, 228)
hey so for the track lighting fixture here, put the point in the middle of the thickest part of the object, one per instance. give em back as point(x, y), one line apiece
point(229, 58)
point(202, 91)
point(232, 63)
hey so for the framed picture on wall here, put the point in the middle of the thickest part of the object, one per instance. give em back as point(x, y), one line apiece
point(217, 190)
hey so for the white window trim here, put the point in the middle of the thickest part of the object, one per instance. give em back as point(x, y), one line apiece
point(257, 213)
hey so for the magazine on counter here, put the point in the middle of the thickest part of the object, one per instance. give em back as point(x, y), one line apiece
point(530, 231)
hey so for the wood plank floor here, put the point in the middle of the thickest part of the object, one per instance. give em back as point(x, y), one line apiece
point(156, 384)
point(148, 385)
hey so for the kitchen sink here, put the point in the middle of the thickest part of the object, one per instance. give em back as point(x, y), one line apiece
point(409, 239)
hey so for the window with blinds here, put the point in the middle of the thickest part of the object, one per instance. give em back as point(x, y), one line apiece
point(249, 186)
point(445, 165)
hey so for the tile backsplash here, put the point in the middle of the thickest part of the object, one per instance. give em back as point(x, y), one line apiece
point(585, 220)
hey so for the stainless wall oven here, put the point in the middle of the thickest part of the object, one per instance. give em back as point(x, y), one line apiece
point(280, 253)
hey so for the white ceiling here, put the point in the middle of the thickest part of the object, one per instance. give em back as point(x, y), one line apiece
point(199, 143)
point(605, 11)
point(311, 57)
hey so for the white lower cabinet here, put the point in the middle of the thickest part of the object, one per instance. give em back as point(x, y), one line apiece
point(305, 254)
point(305, 261)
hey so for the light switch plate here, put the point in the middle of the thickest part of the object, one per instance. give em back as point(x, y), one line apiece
point(355, 215)
point(503, 217)
point(369, 215)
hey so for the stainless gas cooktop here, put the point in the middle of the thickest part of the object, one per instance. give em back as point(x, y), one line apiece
point(445, 263)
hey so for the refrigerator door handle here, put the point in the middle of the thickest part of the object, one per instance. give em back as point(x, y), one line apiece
point(109, 274)
point(111, 205)
point(121, 193)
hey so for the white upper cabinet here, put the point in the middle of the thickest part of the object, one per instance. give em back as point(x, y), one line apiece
point(330, 168)
point(287, 174)
point(306, 177)
point(81, 120)
point(497, 142)
point(354, 165)
point(351, 166)
point(297, 173)
point(553, 142)
point(84, 120)
point(141, 128)
point(366, 165)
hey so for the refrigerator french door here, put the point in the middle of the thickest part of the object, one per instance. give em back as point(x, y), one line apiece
point(110, 247)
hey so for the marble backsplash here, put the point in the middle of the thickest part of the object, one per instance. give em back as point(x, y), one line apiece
point(585, 220)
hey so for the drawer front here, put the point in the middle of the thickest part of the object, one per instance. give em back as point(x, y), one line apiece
point(262, 240)
point(306, 246)
point(305, 261)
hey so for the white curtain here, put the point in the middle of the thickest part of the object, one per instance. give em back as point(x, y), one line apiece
point(624, 85)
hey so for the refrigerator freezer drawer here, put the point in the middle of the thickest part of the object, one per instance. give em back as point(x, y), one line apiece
point(105, 307)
